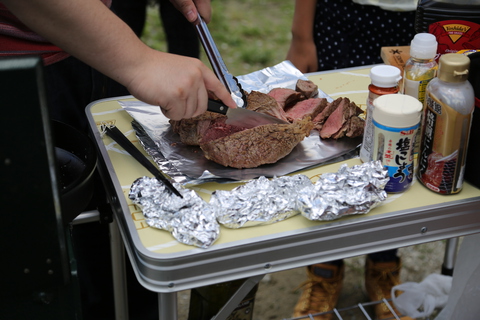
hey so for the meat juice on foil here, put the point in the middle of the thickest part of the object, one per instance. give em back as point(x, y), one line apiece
point(193, 221)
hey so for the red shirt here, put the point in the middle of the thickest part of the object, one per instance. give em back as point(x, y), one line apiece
point(16, 39)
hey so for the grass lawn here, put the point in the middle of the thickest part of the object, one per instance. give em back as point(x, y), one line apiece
point(250, 34)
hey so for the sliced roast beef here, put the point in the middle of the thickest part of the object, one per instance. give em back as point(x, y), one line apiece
point(356, 128)
point(307, 108)
point(338, 118)
point(253, 147)
point(263, 103)
point(320, 119)
point(352, 128)
point(307, 88)
point(192, 130)
point(286, 98)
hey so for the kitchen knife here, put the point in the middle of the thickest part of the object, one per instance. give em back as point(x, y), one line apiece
point(243, 117)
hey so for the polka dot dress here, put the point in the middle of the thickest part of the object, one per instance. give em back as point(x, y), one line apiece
point(348, 34)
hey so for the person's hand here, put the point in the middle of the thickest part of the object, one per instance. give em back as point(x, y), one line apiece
point(189, 9)
point(303, 55)
point(178, 84)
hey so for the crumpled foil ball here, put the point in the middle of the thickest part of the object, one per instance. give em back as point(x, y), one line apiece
point(190, 220)
point(354, 190)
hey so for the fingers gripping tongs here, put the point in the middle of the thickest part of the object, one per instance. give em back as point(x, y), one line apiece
point(219, 67)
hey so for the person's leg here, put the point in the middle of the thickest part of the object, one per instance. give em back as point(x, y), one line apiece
point(181, 36)
point(133, 12)
point(321, 290)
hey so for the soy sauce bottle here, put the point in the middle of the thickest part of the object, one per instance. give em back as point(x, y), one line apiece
point(447, 118)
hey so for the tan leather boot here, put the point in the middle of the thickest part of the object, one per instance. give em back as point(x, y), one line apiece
point(321, 291)
point(380, 277)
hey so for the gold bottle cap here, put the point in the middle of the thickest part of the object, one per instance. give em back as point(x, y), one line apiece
point(453, 67)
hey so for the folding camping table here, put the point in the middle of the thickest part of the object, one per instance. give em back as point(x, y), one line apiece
point(166, 266)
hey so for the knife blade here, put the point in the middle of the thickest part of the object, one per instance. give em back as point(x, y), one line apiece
point(242, 117)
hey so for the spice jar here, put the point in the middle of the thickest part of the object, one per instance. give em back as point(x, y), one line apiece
point(396, 119)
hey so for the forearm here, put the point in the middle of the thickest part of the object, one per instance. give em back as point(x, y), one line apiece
point(303, 20)
point(86, 29)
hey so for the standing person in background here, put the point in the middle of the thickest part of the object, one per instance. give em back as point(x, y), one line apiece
point(180, 33)
point(332, 34)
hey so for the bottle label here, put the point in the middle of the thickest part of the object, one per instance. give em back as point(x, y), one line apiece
point(394, 147)
point(443, 147)
point(366, 150)
point(416, 89)
point(455, 35)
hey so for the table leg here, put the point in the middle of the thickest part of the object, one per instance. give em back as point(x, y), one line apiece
point(118, 273)
point(167, 306)
point(237, 297)
point(450, 256)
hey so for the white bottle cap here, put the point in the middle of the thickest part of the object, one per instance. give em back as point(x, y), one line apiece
point(385, 76)
point(423, 46)
point(397, 110)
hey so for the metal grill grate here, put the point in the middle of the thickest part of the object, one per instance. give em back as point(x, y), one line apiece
point(361, 306)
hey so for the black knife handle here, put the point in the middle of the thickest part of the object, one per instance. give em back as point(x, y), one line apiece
point(217, 107)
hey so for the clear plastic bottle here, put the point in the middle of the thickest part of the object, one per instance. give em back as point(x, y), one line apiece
point(447, 118)
point(384, 80)
point(420, 69)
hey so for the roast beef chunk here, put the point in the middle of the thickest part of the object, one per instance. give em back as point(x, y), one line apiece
point(286, 98)
point(253, 147)
point(307, 108)
point(192, 130)
point(338, 118)
point(307, 88)
point(263, 103)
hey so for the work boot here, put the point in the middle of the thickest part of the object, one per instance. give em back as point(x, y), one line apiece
point(320, 291)
point(380, 277)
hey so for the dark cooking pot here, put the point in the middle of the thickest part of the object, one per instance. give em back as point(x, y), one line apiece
point(76, 162)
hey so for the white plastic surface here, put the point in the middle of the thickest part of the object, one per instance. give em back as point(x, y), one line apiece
point(385, 76)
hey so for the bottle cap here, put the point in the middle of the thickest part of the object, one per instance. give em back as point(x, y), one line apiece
point(423, 46)
point(453, 67)
point(397, 110)
point(385, 76)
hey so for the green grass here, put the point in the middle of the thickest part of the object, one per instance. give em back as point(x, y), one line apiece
point(250, 34)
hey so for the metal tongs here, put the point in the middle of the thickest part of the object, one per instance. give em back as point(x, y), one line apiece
point(114, 133)
point(219, 67)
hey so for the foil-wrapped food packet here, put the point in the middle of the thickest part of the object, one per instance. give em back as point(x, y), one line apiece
point(261, 201)
point(190, 219)
point(354, 190)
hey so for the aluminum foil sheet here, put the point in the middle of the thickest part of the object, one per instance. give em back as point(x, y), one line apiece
point(187, 165)
point(260, 201)
point(190, 219)
point(354, 190)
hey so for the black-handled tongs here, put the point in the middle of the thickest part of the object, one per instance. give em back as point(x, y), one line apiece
point(219, 67)
point(114, 133)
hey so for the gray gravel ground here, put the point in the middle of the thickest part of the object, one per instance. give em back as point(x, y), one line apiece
point(277, 294)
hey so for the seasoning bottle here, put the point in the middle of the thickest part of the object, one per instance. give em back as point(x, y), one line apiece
point(206, 302)
point(384, 80)
point(449, 105)
point(420, 69)
point(396, 119)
